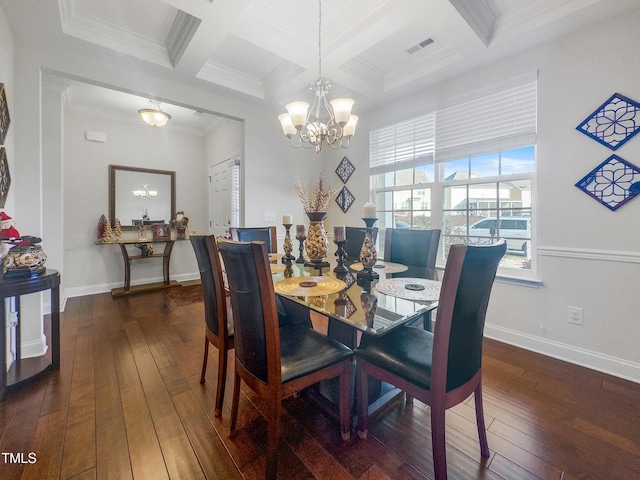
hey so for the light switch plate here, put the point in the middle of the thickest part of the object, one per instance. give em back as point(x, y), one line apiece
point(269, 216)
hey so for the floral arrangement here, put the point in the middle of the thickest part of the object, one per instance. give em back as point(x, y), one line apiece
point(322, 194)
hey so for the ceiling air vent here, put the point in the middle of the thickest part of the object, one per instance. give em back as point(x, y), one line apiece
point(419, 46)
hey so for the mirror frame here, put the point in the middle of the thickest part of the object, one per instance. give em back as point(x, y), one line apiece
point(112, 190)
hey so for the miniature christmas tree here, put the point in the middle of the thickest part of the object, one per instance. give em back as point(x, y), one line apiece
point(101, 225)
point(118, 228)
point(106, 236)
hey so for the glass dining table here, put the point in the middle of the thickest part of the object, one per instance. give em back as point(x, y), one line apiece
point(354, 306)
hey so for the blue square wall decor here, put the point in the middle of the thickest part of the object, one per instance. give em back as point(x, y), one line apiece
point(614, 122)
point(613, 183)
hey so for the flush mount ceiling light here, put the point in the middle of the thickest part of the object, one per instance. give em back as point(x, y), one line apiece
point(331, 122)
point(154, 116)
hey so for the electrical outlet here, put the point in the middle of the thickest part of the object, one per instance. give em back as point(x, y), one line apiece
point(269, 216)
point(575, 315)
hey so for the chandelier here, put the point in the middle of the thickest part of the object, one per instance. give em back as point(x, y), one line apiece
point(331, 122)
point(154, 116)
point(145, 193)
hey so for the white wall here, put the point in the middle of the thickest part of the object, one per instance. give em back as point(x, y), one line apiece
point(86, 194)
point(587, 256)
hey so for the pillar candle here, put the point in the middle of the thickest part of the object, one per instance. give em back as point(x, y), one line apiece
point(299, 230)
point(370, 210)
point(339, 233)
point(287, 219)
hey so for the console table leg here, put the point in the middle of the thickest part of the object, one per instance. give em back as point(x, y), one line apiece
point(127, 268)
point(55, 328)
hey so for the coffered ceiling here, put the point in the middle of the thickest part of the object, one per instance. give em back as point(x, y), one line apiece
point(372, 50)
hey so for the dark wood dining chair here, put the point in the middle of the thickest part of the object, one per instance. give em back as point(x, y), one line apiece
point(276, 361)
point(355, 239)
point(417, 249)
point(443, 368)
point(267, 235)
point(217, 315)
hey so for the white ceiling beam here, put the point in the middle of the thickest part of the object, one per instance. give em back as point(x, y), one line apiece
point(218, 19)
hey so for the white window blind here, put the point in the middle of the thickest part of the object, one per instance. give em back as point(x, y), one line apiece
point(491, 122)
point(409, 143)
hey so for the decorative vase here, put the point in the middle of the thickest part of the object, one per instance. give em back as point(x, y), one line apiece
point(317, 243)
point(25, 258)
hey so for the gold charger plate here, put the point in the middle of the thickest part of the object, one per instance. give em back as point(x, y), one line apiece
point(311, 286)
point(276, 268)
point(381, 267)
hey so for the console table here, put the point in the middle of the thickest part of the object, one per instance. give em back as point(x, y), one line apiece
point(127, 289)
point(24, 369)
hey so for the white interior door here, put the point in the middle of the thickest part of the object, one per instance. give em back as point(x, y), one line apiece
point(221, 195)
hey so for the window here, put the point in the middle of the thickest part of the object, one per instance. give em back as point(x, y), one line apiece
point(467, 169)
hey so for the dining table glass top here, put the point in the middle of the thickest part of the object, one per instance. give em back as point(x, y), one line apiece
point(353, 301)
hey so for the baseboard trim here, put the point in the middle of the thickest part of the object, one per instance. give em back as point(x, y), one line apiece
point(35, 348)
point(568, 353)
point(107, 287)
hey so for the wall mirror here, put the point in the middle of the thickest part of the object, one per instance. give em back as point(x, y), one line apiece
point(141, 194)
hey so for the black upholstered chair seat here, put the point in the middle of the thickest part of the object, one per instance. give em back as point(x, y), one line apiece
point(304, 350)
point(405, 352)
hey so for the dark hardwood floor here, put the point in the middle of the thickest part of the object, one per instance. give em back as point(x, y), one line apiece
point(127, 403)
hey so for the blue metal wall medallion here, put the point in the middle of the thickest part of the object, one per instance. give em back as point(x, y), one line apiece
point(613, 183)
point(614, 122)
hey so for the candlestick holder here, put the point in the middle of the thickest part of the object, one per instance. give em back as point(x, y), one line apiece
point(342, 257)
point(288, 246)
point(368, 254)
point(301, 239)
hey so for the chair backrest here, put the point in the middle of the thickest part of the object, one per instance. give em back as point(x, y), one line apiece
point(417, 249)
point(267, 235)
point(253, 301)
point(355, 239)
point(215, 311)
point(464, 296)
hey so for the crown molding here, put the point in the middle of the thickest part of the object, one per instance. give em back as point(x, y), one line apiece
point(436, 59)
point(227, 77)
point(92, 30)
point(534, 14)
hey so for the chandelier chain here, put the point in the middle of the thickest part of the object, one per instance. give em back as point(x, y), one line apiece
point(319, 38)
point(330, 123)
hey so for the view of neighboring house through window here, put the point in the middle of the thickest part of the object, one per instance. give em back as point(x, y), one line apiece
point(466, 169)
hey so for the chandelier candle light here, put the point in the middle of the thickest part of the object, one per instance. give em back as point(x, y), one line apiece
point(145, 194)
point(331, 122)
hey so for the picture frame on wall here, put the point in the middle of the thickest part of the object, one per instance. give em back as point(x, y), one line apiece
point(5, 119)
point(5, 177)
point(161, 231)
